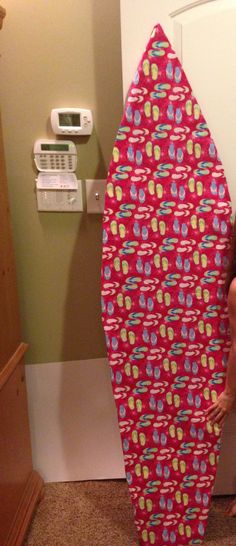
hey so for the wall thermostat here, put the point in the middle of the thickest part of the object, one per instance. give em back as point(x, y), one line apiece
point(55, 155)
point(71, 121)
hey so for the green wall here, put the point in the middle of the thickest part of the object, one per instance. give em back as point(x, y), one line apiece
point(57, 54)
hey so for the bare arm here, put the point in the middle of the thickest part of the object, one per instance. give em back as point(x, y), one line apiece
point(230, 384)
point(217, 412)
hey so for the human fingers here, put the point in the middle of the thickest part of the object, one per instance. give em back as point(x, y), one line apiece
point(214, 412)
point(208, 410)
point(216, 419)
point(211, 409)
point(222, 420)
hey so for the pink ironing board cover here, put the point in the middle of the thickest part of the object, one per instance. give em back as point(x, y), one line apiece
point(166, 230)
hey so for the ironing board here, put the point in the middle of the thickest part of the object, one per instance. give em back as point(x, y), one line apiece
point(166, 230)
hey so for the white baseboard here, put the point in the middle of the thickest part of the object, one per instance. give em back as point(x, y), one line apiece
point(74, 430)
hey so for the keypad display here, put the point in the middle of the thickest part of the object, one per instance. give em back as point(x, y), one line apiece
point(55, 156)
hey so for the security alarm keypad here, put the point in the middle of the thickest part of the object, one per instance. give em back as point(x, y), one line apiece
point(55, 155)
point(57, 187)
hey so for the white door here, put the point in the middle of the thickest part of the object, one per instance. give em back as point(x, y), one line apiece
point(203, 34)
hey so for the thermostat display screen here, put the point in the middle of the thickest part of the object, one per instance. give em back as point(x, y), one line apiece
point(72, 121)
point(69, 120)
point(54, 147)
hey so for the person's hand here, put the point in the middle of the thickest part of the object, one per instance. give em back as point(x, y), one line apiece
point(218, 411)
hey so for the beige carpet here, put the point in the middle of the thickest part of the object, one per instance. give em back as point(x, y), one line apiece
point(99, 513)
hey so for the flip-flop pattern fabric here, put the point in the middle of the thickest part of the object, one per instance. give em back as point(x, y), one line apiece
point(166, 231)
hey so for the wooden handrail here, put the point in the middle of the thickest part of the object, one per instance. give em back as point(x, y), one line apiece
point(12, 364)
